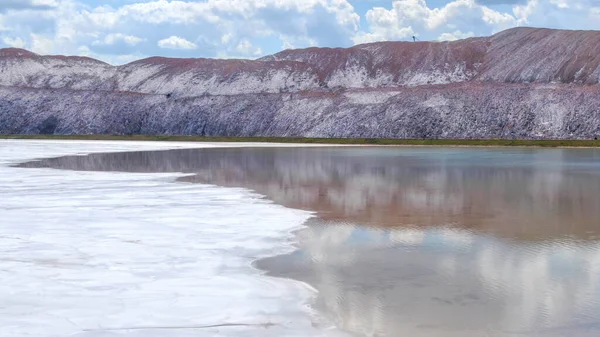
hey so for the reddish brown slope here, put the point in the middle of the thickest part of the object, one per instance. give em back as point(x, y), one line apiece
point(21, 54)
point(394, 63)
point(543, 56)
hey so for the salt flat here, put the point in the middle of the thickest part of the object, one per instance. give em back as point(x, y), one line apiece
point(113, 254)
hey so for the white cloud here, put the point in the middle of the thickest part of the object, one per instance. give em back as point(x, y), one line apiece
point(496, 19)
point(226, 38)
point(571, 14)
point(213, 27)
point(173, 12)
point(176, 42)
point(41, 44)
point(457, 19)
point(245, 48)
point(523, 12)
point(118, 30)
point(14, 42)
point(111, 39)
point(287, 44)
point(457, 35)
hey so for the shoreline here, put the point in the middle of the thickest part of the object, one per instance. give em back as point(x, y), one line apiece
point(535, 143)
point(297, 295)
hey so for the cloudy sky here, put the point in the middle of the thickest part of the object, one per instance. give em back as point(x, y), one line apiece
point(119, 31)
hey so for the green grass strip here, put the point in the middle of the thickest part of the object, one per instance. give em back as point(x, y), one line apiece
point(346, 141)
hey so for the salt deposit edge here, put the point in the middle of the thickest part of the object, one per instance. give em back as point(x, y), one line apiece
point(166, 269)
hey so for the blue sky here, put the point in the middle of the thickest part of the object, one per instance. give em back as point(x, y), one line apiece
point(119, 31)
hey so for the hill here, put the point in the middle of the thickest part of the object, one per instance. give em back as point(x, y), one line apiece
point(520, 83)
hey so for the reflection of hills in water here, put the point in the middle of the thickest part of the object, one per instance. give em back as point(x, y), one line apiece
point(524, 193)
point(460, 243)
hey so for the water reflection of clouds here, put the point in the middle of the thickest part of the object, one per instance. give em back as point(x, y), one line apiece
point(431, 236)
point(545, 288)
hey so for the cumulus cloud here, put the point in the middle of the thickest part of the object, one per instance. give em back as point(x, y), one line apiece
point(112, 39)
point(245, 48)
point(14, 42)
point(457, 19)
point(176, 42)
point(41, 44)
point(457, 35)
point(569, 14)
point(121, 30)
point(237, 28)
point(465, 18)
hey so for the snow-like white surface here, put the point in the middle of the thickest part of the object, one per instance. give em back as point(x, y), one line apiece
point(196, 82)
point(56, 73)
point(121, 254)
point(447, 74)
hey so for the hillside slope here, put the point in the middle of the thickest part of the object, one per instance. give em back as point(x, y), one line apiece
point(523, 82)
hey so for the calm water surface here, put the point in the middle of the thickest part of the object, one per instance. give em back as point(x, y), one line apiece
point(422, 241)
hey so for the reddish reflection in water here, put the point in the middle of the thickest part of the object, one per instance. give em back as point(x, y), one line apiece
point(516, 193)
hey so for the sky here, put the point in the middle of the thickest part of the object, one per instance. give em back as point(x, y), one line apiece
point(120, 31)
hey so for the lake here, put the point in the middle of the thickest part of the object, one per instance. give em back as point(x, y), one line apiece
point(420, 241)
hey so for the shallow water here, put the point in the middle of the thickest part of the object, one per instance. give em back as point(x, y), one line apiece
point(423, 241)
